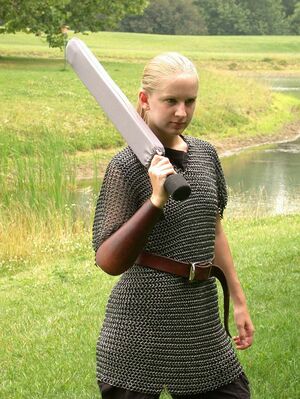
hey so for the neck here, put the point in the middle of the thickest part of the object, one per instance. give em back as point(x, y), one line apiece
point(176, 143)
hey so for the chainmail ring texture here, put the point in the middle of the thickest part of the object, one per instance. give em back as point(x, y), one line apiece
point(159, 329)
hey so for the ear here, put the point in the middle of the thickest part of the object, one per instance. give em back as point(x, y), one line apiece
point(143, 98)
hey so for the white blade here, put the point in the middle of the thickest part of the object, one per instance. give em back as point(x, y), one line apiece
point(113, 101)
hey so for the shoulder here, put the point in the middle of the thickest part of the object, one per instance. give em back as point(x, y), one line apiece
point(124, 158)
point(126, 162)
point(202, 147)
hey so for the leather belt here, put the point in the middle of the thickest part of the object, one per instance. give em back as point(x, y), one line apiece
point(199, 271)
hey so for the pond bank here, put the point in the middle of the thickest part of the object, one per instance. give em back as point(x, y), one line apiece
point(289, 132)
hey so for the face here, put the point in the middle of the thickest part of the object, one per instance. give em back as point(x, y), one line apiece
point(170, 109)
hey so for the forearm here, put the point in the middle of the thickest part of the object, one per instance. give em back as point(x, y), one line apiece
point(119, 252)
point(223, 259)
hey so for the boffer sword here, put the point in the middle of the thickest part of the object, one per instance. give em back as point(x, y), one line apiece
point(121, 112)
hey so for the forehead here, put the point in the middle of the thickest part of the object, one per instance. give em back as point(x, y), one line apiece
point(183, 84)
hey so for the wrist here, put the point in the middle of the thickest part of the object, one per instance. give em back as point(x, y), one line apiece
point(239, 301)
point(157, 201)
point(236, 291)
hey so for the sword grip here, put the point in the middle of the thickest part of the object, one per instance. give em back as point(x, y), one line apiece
point(177, 187)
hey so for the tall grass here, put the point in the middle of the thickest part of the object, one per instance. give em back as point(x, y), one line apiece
point(37, 175)
point(36, 194)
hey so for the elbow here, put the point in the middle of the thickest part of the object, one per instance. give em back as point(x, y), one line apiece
point(109, 270)
point(109, 263)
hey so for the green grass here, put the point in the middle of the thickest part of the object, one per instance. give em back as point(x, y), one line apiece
point(267, 258)
point(60, 104)
point(268, 49)
point(52, 308)
point(43, 99)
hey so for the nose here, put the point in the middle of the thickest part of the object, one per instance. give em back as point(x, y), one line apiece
point(180, 110)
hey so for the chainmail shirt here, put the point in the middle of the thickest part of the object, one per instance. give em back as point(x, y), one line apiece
point(159, 329)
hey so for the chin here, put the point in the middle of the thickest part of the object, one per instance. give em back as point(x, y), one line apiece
point(178, 131)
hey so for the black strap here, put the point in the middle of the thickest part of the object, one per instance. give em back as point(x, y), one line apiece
point(218, 273)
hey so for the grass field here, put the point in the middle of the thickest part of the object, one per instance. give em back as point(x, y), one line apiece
point(51, 131)
point(51, 311)
point(58, 101)
point(272, 50)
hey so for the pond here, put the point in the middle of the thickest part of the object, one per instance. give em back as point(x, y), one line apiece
point(289, 85)
point(265, 180)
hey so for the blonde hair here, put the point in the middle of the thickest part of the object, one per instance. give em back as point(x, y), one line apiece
point(162, 67)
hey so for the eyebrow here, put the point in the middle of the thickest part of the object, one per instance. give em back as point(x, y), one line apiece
point(174, 97)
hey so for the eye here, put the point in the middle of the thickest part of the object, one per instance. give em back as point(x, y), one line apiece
point(190, 101)
point(171, 101)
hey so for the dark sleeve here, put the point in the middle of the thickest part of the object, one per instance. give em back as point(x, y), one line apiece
point(221, 183)
point(115, 204)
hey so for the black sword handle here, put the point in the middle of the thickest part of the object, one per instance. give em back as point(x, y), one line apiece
point(177, 187)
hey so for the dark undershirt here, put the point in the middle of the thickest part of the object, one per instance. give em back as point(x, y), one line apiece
point(176, 157)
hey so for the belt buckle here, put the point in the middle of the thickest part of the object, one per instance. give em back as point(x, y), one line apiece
point(193, 267)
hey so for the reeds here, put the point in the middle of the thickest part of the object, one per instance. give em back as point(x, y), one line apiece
point(36, 196)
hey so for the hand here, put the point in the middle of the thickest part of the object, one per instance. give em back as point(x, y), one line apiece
point(245, 328)
point(160, 168)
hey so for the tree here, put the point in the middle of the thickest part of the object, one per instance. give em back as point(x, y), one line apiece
point(225, 17)
point(248, 17)
point(173, 17)
point(267, 17)
point(289, 6)
point(295, 20)
point(50, 17)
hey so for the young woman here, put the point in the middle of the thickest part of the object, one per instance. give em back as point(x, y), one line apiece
point(161, 329)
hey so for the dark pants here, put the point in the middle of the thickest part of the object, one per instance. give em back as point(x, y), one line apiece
point(238, 389)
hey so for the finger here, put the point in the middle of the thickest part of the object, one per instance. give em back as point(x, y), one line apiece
point(241, 331)
point(158, 158)
point(165, 168)
point(160, 175)
point(250, 334)
point(163, 164)
point(241, 345)
point(161, 169)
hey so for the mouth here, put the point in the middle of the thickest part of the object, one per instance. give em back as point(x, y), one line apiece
point(178, 125)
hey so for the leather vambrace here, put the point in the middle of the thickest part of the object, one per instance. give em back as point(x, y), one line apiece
point(119, 251)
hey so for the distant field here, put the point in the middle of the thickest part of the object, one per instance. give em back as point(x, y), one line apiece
point(277, 52)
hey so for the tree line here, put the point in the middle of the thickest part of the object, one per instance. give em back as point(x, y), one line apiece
point(52, 18)
point(216, 17)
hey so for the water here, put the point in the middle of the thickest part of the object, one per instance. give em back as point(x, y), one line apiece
point(289, 85)
point(266, 180)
